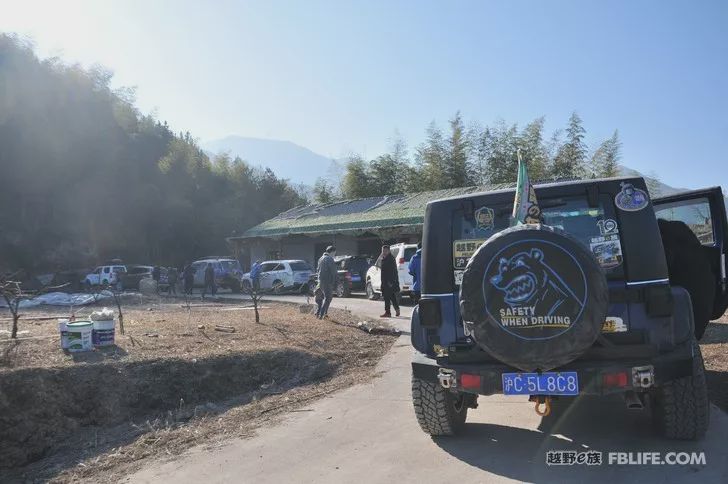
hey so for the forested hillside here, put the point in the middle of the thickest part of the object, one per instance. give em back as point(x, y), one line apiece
point(84, 176)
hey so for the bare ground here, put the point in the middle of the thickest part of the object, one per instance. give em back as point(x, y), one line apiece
point(171, 382)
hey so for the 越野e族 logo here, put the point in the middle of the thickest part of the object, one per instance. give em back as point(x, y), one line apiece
point(484, 218)
point(535, 289)
point(630, 198)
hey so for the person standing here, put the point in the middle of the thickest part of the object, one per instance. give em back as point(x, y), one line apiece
point(209, 280)
point(326, 280)
point(189, 277)
point(255, 275)
point(390, 281)
point(172, 280)
point(156, 272)
point(415, 266)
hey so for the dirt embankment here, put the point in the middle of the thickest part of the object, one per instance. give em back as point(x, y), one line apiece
point(171, 382)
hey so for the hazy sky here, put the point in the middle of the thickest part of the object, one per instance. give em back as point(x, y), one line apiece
point(340, 76)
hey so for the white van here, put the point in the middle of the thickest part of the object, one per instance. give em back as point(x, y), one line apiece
point(402, 254)
point(104, 276)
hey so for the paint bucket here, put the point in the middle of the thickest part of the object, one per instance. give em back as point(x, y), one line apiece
point(64, 332)
point(79, 336)
point(103, 334)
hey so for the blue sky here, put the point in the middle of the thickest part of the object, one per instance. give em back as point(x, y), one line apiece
point(340, 76)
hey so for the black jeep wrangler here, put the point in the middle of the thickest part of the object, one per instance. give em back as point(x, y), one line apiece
point(609, 294)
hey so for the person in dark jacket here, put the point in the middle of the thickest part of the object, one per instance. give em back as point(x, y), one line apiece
point(189, 278)
point(172, 280)
point(156, 273)
point(327, 274)
point(415, 266)
point(390, 281)
point(209, 280)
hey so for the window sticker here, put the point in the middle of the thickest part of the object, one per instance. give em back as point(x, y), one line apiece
point(631, 199)
point(484, 219)
point(607, 226)
point(463, 250)
point(459, 277)
point(614, 324)
point(607, 249)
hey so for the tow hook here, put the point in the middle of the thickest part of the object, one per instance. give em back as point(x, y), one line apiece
point(447, 378)
point(544, 400)
point(643, 376)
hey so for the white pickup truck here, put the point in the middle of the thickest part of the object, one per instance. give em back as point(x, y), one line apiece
point(104, 276)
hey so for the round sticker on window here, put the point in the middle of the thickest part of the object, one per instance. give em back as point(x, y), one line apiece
point(535, 289)
point(630, 198)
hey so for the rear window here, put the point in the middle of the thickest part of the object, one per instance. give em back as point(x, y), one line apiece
point(409, 252)
point(230, 265)
point(355, 265)
point(300, 266)
point(593, 226)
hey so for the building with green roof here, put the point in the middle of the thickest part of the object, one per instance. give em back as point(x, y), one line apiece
point(355, 227)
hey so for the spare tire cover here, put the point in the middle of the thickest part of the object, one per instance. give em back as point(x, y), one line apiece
point(534, 297)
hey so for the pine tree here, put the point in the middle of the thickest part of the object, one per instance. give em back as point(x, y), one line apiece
point(323, 192)
point(502, 164)
point(530, 141)
point(355, 183)
point(455, 163)
point(571, 156)
point(430, 157)
point(605, 161)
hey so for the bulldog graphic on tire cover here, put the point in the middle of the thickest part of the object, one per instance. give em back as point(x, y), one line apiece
point(533, 294)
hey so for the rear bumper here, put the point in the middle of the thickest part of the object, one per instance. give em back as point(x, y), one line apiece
point(667, 367)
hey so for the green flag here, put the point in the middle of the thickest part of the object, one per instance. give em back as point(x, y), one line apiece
point(525, 206)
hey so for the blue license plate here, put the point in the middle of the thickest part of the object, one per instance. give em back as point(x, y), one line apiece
point(355, 278)
point(549, 383)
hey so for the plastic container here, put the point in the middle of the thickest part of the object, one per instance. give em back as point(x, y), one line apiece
point(79, 336)
point(103, 334)
point(64, 332)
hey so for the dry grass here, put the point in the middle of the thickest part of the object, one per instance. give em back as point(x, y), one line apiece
point(290, 359)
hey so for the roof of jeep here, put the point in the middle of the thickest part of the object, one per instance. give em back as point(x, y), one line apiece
point(540, 185)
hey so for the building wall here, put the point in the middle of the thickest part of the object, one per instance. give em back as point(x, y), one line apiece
point(308, 248)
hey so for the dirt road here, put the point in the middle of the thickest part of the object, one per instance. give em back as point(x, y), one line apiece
point(368, 432)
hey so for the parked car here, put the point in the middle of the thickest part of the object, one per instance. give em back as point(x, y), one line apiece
point(282, 276)
point(135, 273)
point(352, 273)
point(104, 276)
point(228, 273)
point(402, 254)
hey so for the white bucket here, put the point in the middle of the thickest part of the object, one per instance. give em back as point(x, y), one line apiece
point(103, 334)
point(64, 333)
point(79, 336)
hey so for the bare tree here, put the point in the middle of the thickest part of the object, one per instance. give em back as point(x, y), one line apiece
point(256, 294)
point(12, 293)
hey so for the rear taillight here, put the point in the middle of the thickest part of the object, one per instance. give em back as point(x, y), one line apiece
point(347, 276)
point(401, 260)
point(469, 381)
point(615, 379)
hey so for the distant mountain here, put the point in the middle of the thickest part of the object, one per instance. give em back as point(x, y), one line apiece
point(286, 159)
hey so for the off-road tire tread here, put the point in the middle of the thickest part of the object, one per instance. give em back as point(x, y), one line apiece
point(682, 407)
point(435, 410)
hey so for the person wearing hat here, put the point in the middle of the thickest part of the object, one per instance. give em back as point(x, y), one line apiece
point(326, 280)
